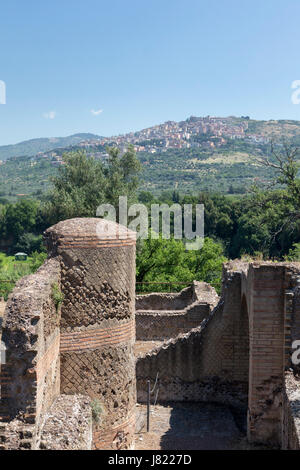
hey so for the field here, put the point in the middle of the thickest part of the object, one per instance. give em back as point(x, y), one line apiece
point(11, 271)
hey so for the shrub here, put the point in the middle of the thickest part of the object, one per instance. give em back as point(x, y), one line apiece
point(97, 410)
point(57, 296)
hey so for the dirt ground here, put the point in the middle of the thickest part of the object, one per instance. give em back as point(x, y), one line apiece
point(191, 426)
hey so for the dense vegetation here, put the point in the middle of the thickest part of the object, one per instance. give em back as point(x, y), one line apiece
point(261, 224)
point(221, 164)
point(11, 270)
point(34, 146)
point(230, 168)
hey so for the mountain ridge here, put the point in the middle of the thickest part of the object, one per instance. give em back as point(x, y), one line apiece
point(222, 125)
point(32, 147)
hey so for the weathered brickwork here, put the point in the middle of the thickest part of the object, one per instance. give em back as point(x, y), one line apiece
point(291, 413)
point(98, 321)
point(30, 379)
point(116, 437)
point(272, 315)
point(97, 337)
point(63, 362)
point(239, 354)
point(60, 360)
point(204, 365)
point(181, 313)
point(169, 301)
point(68, 424)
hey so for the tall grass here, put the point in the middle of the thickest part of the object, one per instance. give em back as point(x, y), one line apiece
point(11, 270)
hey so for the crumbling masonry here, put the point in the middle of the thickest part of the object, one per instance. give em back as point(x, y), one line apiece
point(80, 353)
point(240, 355)
point(70, 377)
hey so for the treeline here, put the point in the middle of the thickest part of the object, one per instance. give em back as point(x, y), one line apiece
point(262, 224)
point(257, 225)
point(80, 186)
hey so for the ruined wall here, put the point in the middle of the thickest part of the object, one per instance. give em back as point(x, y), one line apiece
point(273, 315)
point(154, 323)
point(155, 326)
point(208, 364)
point(240, 352)
point(291, 413)
point(166, 301)
point(98, 322)
point(68, 424)
point(30, 379)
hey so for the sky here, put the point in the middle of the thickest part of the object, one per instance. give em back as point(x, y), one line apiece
point(110, 67)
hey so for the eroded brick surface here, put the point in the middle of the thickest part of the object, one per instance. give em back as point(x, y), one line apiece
point(238, 355)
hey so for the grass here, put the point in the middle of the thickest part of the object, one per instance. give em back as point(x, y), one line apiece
point(57, 296)
point(97, 410)
point(11, 270)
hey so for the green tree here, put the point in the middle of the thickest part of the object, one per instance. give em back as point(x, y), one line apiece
point(160, 261)
point(20, 218)
point(206, 264)
point(122, 176)
point(84, 183)
point(78, 188)
point(29, 242)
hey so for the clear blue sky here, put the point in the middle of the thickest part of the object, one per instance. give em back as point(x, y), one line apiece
point(143, 62)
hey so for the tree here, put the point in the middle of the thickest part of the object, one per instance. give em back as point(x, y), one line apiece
point(78, 189)
point(272, 217)
point(84, 183)
point(29, 242)
point(20, 218)
point(206, 264)
point(122, 176)
point(160, 260)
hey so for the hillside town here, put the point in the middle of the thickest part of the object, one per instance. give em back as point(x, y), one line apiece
point(206, 133)
point(194, 132)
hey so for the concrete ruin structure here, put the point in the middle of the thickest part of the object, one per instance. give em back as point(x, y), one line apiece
point(78, 356)
point(241, 353)
point(70, 378)
point(161, 316)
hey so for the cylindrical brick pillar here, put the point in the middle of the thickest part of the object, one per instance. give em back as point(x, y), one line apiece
point(98, 323)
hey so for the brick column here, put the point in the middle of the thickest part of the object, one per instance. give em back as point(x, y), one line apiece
point(266, 317)
point(98, 323)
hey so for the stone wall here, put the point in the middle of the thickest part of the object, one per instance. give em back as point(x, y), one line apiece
point(291, 413)
point(269, 289)
point(164, 316)
point(98, 322)
point(154, 326)
point(68, 424)
point(204, 365)
point(63, 362)
point(166, 301)
point(30, 379)
point(239, 354)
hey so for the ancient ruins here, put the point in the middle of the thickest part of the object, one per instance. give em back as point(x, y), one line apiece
point(71, 380)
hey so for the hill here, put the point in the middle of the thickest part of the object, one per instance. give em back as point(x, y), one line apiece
point(198, 154)
point(34, 146)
